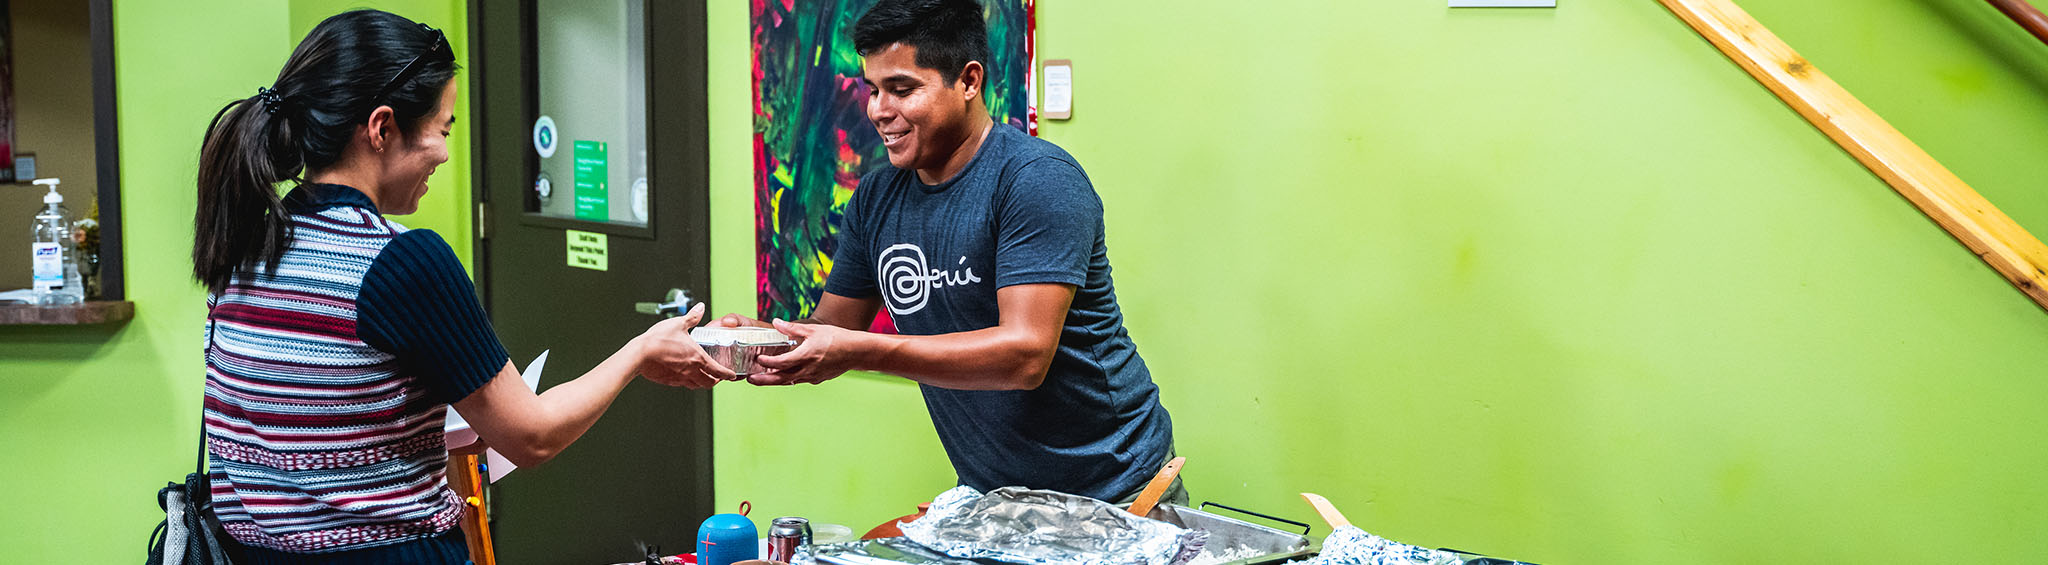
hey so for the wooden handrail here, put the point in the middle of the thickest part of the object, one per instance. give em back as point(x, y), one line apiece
point(1988, 232)
point(2024, 14)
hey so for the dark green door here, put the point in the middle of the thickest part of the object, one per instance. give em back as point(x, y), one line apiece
point(590, 164)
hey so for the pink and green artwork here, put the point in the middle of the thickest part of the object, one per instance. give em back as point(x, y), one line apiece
point(813, 141)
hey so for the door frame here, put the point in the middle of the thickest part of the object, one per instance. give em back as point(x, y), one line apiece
point(504, 103)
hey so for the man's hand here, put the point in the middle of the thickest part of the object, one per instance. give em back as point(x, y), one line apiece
point(823, 352)
point(670, 356)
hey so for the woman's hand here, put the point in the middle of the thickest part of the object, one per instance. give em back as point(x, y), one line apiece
point(668, 355)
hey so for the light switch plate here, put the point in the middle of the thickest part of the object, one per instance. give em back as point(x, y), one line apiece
point(1059, 90)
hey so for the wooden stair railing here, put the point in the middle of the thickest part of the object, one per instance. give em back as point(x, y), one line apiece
point(1945, 198)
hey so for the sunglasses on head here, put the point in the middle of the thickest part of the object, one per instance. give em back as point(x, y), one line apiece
point(412, 68)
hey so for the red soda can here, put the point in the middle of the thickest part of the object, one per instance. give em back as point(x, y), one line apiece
point(785, 536)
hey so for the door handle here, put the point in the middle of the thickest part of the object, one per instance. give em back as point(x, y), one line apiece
point(674, 305)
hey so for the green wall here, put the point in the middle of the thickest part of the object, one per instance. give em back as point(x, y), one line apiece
point(1562, 285)
point(94, 419)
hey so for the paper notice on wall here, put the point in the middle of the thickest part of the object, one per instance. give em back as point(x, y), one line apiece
point(459, 434)
point(588, 250)
point(1059, 89)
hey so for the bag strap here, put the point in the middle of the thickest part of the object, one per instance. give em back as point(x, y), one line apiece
point(199, 467)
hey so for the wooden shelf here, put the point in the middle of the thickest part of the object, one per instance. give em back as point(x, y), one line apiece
point(90, 312)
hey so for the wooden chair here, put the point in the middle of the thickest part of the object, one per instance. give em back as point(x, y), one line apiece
point(467, 479)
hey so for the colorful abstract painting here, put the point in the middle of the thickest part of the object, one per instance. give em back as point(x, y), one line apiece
point(813, 141)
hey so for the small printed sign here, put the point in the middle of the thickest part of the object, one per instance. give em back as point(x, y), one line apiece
point(589, 250)
point(593, 174)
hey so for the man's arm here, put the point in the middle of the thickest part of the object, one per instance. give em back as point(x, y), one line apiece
point(1014, 355)
point(851, 313)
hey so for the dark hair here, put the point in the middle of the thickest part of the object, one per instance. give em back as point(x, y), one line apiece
point(946, 33)
point(345, 69)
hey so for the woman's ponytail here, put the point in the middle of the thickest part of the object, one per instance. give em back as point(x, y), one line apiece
point(241, 223)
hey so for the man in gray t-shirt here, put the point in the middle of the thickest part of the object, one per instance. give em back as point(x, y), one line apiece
point(986, 246)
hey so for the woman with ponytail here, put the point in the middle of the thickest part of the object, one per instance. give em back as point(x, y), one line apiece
point(337, 339)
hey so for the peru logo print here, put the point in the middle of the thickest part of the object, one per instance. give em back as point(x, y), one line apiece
point(908, 282)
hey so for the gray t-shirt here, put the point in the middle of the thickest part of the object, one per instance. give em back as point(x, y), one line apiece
point(1022, 212)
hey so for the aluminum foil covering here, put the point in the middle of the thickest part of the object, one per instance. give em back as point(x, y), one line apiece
point(736, 348)
point(1038, 527)
point(1352, 546)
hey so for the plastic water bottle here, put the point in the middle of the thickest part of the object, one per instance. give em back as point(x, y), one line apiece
point(53, 254)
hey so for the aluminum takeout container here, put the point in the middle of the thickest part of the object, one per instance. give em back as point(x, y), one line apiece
point(737, 348)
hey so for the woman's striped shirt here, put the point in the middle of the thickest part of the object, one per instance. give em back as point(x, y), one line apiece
point(327, 383)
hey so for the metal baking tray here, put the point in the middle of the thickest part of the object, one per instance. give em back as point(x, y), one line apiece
point(1226, 534)
point(1274, 546)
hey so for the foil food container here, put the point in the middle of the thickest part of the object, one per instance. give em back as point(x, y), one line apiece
point(1019, 525)
point(737, 348)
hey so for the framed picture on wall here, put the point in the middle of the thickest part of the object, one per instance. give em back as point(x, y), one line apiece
point(6, 95)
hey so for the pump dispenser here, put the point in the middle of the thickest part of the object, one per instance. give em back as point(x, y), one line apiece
point(53, 253)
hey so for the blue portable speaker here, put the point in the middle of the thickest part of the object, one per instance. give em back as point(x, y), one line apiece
point(725, 539)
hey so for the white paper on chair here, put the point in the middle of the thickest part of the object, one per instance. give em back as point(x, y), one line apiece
point(458, 432)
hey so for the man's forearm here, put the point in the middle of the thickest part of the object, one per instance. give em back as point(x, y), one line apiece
point(988, 359)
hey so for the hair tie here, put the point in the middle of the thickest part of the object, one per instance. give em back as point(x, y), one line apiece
point(271, 99)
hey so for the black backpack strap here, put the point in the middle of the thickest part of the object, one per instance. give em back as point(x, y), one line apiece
point(199, 467)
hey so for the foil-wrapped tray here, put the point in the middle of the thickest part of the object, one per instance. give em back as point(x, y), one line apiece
point(1227, 537)
point(1236, 542)
point(737, 348)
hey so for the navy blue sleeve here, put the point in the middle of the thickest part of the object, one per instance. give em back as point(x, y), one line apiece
point(417, 304)
point(1047, 224)
point(853, 267)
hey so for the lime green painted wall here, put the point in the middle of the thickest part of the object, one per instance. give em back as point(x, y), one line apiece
point(93, 420)
point(446, 207)
point(1563, 285)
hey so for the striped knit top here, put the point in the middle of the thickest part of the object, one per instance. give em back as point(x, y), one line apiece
point(328, 383)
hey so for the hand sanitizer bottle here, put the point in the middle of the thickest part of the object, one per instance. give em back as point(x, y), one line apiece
point(52, 253)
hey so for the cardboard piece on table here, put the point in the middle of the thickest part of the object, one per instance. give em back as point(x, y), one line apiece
point(459, 434)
